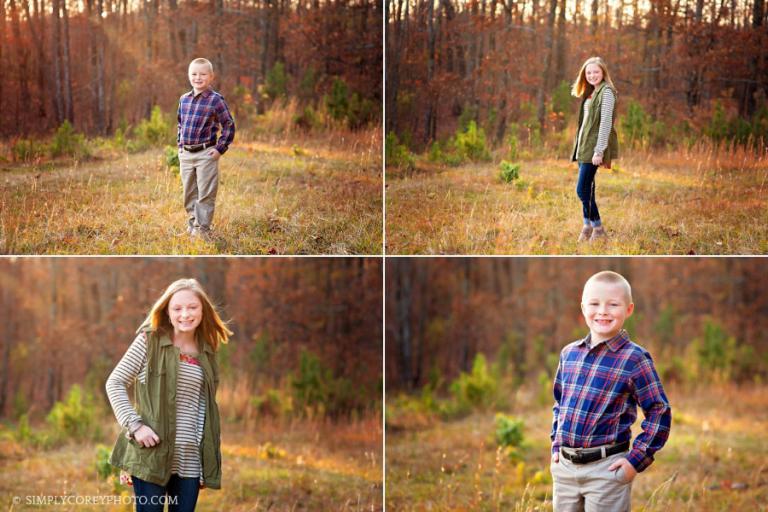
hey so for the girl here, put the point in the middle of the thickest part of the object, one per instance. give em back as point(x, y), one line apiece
point(171, 446)
point(596, 141)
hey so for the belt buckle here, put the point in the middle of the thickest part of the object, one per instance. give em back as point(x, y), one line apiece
point(577, 455)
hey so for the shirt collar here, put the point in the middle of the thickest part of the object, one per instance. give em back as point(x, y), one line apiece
point(615, 343)
point(205, 93)
point(165, 340)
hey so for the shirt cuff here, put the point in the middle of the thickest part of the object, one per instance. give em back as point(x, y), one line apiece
point(133, 427)
point(555, 449)
point(639, 460)
point(221, 149)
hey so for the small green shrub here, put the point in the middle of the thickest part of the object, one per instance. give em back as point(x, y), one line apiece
point(26, 150)
point(103, 468)
point(636, 125)
point(397, 154)
point(274, 403)
point(510, 436)
point(308, 84)
point(717, 349)
point(509, 431)
point(562, 100)
point(438, 154)
point(316, 391)
point(513, 142)
point(471, 145)
point(359, 112)
point(308, 120)
point(509, 171)
point(338, 101)
point(476, 390)
point(68, 143)
point(172, 159)
point(276, 83)
point(75, 417)
point(153, 132)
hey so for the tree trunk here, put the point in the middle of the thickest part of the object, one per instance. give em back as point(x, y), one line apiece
point(541, 110)
point(403, 300)
point(22, 55)
point(69, 109)
point(58, 92)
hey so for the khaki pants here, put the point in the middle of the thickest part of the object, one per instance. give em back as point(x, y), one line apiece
point(590, 487)
point(200, 179)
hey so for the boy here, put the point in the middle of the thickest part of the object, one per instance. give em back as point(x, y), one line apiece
point(200, 111)
point(599, 383)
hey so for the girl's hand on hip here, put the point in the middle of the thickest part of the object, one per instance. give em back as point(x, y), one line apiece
point(214, 153)
point(555, 458)
point(125, 478)
point(146, 437)
point(629, 470)
point(597, 160)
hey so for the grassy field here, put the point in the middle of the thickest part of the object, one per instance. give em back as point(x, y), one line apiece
point(299, 467)
point(273, 199)
point(713, 461)
point(650, 204)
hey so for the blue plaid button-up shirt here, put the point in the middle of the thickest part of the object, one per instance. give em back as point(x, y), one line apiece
point(597, 390)
point(199, 119)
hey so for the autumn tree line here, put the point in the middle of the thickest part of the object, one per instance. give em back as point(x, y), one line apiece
point(684, 69)
point(308, 332)
point(104, 64)
point(702, 318)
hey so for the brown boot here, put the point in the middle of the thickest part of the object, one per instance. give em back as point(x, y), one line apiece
point(597, 234)
point(586, 232)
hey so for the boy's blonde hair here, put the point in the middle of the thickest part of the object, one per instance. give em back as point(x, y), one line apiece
point(583, 88)
point(212, 329)
point(611, 277)
point(201, 60)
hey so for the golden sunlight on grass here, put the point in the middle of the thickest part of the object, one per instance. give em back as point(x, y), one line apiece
point(272, 200)
point(300, 465)
point(665, 204)
point(714, 460)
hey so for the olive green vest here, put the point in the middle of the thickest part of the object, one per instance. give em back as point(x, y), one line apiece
point(155, 402)
point(586, 145)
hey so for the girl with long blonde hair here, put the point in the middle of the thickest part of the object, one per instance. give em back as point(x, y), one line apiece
point(596, 141)
point(172, 437)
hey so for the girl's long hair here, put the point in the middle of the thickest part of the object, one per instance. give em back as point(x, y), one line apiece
point(581, 87)
point(212, 329)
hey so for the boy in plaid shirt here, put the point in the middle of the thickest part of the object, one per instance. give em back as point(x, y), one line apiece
point(201, 111)
point(599, 383)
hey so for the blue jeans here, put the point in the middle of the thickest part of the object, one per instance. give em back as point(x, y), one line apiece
point(179, 493)
point(585, 189)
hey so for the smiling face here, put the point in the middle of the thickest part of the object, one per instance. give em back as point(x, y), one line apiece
point(594, 74)
point(605, 307)
point(200, 76)
point(185, 310)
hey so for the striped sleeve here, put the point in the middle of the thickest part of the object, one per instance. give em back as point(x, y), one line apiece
point(606, 121)
point(124, 374)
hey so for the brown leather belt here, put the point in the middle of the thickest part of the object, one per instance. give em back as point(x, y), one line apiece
point(194, 148)
point(587, 455)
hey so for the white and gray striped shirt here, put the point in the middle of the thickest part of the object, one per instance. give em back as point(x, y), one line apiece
point(606, 120)
point(190, 403)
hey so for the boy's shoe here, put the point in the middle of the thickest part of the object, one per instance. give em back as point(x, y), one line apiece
point(586, 232)
point(597, 234)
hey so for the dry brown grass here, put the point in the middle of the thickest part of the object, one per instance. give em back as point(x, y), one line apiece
point(276, 466)
point(717, 441)
point(700, 201)
point(322, 197)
